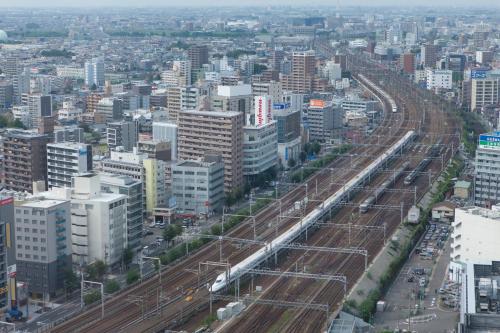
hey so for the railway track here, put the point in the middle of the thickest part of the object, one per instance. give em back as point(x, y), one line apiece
point(309, 320)
point(178, 282)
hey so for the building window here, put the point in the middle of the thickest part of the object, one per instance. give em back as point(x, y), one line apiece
point(26, 238)
point(35, 257)
point(18, 228)
point(27, 256)
point(34, 231)
point(19, 246)
point(26, 221)
point(26, 229)
point(33, 221)
point(35, 239)
point(44, 258)
point(26, 247)
point(42, 231)
point(42, 222)
point(19, 255)
point(43, 249)
point(35, 248)
point(42, 240)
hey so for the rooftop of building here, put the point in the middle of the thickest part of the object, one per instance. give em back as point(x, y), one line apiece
point(225, 114)
point(493, 213)
point(23, 134)
point(119, 180)
point(75, 145)
point(463, 184)
point(41, 203)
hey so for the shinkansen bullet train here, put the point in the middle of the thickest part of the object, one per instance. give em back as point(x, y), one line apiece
point(372, 86)
point(365, 205)
point(296, 230)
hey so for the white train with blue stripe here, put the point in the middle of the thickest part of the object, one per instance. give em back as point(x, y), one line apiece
point(372, 86)
point(296, 230)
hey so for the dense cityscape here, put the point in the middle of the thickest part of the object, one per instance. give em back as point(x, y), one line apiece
point(273, 168)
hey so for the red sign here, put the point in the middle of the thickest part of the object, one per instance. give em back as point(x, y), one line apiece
point(260, 117)
point(269, 113)
point(6, 201)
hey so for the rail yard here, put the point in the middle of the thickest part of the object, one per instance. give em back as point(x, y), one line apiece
point(291, 302)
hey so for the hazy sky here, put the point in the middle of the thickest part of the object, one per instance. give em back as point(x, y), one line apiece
point(146, 3)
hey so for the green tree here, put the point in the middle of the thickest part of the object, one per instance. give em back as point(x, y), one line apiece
point(132, 276)
point(128, 255)
point(302, 156)
point(291, 163)
point(315, 148)
point(171, 231)
point(258, 68)
point(230, 199)
point(93, 87)
point(92, 297)
point(308, 148)
point(70, 280)
point(100, 268)
point(96, 270)
point(111, 286)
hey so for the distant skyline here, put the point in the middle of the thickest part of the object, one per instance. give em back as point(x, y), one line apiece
point(204, 3)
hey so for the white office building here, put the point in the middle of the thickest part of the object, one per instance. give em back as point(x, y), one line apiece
point(98, 220)
point(441, 79)
point(475, 235)
point(65, 160)
point(487, 170)
point(198, 186)
point(94, 72)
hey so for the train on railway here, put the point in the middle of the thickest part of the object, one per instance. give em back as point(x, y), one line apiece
point(365, 205)
point(317, 213)
point(372, 86)
point(435, 149)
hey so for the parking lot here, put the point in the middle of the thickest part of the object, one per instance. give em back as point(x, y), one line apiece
point(420, 290)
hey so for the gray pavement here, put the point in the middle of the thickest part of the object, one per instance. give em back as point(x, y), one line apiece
point(430, 316)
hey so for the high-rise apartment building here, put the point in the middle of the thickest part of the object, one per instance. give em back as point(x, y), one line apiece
point(132, 189)
point(272, 88)
point(181, 98)
point(198, 55)
point(428, 55)
point(39, 106)
point(303, 70)
point(66, 160)
point(7, 246)
point(484, 91)
point(324, 121)
point(108, 110)
point(43, 244)
point(122, 134)
point(6, 94)
point(25, 159)
point(408, 63)
point(179, 75)
point(233, 98)
point(94, 72)
point(212, 131)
